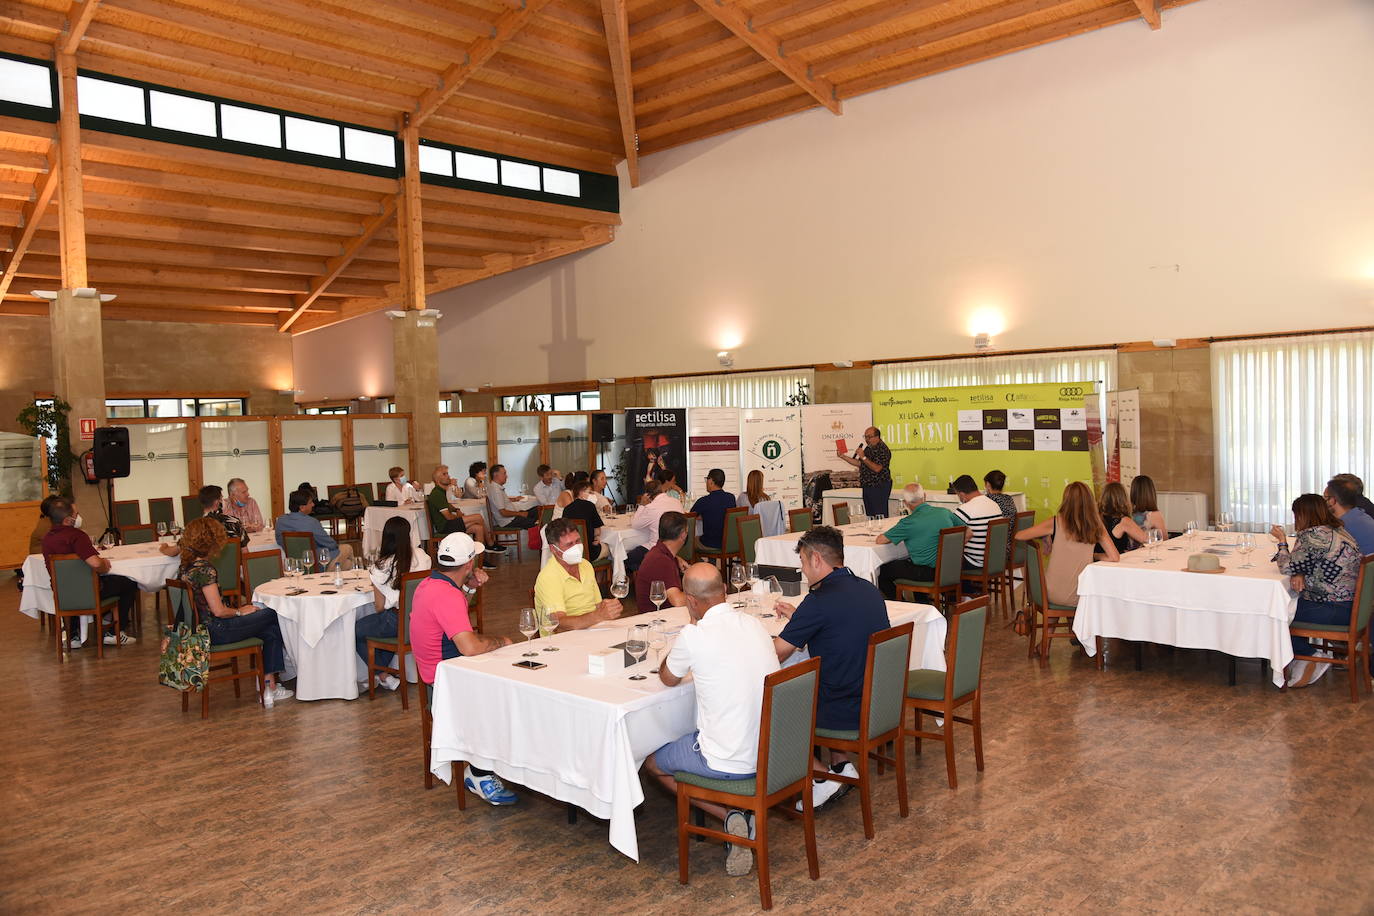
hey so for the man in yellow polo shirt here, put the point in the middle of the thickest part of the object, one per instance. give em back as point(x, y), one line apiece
point(567, 584)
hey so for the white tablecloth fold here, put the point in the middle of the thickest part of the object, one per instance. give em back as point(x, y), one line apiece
point(318, 631)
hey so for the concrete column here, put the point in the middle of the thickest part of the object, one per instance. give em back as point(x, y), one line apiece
point(78, 370)
point(415, 341)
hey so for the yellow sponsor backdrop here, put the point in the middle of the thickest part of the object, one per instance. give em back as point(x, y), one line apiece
point(1041, 436)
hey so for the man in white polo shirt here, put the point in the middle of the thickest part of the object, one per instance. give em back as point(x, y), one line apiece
point(728, 653)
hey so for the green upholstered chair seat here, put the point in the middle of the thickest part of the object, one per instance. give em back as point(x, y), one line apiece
point(709, 551)
point(250, 643)
point(1062, 607)
point(602, 561)
point(914, 583)
point(745, 787)
point(925, 684)
point(1326, 627)
point(839, 734)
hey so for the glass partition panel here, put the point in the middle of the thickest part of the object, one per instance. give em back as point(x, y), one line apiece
point(379, 445)
point(311, 450)
point(157, 467)
point(517, 447)
point(229, 450)
point(609, 457)
point(21, 468)
point(462, 440)
point(568, 442)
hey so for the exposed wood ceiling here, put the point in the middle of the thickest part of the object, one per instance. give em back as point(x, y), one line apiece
point(185, 234)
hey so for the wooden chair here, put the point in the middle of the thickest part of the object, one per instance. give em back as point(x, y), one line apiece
point(1045, 615)
point(162, 510)
point(398, 644)
point(941, 693)
point(381, 489)
point(729, 543)
point(545, 515)
point(137, 534)
point(426, 730)
point(689, 544)
point(259, 566)
point(1017, 564)
point(191, 509)
point(299, 545)
point(228, 565)
point(748, 529)
point(880, 719)
point(994, 560)
point(799, 520)
point(224, 657)
point(508, 535)
point(787, 726)
point(76, 594)
point(601, 566)
point(126, 513)
point(1354, 636)
point(840, 512)
point(366, 490)
point(949, 564)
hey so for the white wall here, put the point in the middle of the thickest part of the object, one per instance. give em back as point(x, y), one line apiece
point(1211, 178)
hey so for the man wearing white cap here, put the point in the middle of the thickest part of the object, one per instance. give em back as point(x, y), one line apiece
point(440, 629)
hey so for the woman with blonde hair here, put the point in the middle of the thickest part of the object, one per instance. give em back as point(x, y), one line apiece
point(201, 541)
point(1116, 516)
point(753, 491)
point(1073, 532)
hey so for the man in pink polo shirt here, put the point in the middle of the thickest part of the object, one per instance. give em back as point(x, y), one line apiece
point(440, 629)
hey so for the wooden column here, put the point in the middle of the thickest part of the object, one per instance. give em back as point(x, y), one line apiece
point(71, 205)
point(274, 461)
point(195, 457)
point(350, 467)
point(410, 226)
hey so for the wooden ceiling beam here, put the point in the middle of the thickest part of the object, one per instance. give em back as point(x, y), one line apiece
point(200, 298)
point(504, 144)
point(336, 266)
point(79, 16)
point(767, 17)
point(497, 204)
point(133, 177)
point(115, 312)
point(137, 251)
point(472, 241)
point(30, 217)
point(482, 50)
point(102, 196)
point(848, 24)
point(138, 226)
point(1149, 11)
point(109, 274)
point(617, 25)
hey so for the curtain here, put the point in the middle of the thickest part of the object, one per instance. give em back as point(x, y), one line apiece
point(1071, 366)
point(1290, 413)
point(743, 389)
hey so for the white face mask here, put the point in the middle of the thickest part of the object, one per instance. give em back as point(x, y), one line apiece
point(573, 555)
point(401, 481)
point(76, 521)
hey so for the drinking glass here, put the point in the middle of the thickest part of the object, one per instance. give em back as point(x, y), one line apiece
point(161, 530)
point(1224, 521)
point(658, 593)
point(1190, 531)
point(637, 644)
point(324, 560)
point(859, 521)
point(658, 638)
point(1247, 544)
point(738, 576)
point(548, 625)
point(620, 587)
point(1152, 542)
point(528, 626)
point(176, 531)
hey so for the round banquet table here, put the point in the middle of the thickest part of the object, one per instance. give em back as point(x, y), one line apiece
point(375, 517)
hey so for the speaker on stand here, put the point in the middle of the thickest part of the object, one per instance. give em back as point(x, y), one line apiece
point(110, 457)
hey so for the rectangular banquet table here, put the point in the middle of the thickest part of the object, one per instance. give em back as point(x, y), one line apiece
point(1242, 612)
point(579, 738)
point(317, 629)
point(862, 552)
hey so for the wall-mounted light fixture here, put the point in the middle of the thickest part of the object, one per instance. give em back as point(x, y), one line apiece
point(84, 292)
point(727, 359)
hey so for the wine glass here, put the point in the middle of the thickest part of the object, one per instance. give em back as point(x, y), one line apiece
point(738, 576)
point(637, 644)
point(620, 587)
point(658, 593)
point(1224, 521)
point(1190, 531)
point(1152, 545)
point(658, 638)
point(176, 530)
point(324, 560)
point(548, 625)
point(1247, 544)
point(859, 521)
point(772, 589)
point(528, 626)
point(161, 530)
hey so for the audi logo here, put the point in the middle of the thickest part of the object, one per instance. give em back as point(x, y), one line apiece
point(1071, 392)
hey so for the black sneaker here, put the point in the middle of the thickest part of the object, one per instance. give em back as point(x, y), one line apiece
point(497, 548)
point(490, 563)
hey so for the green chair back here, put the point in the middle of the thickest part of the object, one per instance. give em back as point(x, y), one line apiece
point(161, 510)
point(841, 512)
point(749, 528)
point(545, 515)
point(889, 658)
point(227, 566)
point(995, 547)
point(949, 560)
point(190, 509)
point(787, 732)
point(409, 583)
point(334, 488)
point(1018, 548)
point(1035, 574)
point(299, 545)
point(799, 520)
point(964, 648)
point(689, 545)
point(1364, 594)
point(126, 513)
point(729, 542)
point(137, 534)
point(74, 585)
point(261, 566)
point(365, 489)
point(182, 608)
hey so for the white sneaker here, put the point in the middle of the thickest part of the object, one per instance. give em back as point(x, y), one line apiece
point(389, 681)
point(824, 791)
point(739, 860)
point(124, 639)
point(272, 695)
point(1319, 669)
point(1300, 674)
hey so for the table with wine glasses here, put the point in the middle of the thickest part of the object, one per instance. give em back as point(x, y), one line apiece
point(376, 517)
point(1150, 596)
point(581, 738)
point(862, 552)
point(619, 537)
point(316, 618)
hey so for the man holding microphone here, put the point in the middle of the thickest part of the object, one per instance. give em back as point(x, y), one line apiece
point(872, 459)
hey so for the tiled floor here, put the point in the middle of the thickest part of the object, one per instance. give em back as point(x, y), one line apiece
point(1161, 790)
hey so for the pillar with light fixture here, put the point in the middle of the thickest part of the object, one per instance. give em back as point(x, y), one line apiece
point(415, 344)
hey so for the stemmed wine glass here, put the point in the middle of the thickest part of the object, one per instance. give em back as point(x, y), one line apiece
point(324, 560)
point(1224, 521)
point(1190, 532)
point(1247, 544)
point(658, 593)
point(161, 530)
point(637, 644)
point(176, 530)
point(738, 576)
point(548, 625)
point(620, 587)
point(658, 638)
point(1152, 543)
point(528, 626)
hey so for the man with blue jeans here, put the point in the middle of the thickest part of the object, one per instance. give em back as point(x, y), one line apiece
point(728, 654)
point(872, 459)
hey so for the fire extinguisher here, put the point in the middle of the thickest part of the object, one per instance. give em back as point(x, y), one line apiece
point(88, 466)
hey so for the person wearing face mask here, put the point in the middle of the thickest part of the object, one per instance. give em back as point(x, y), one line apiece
point(566, 586)
point(243, 507)
point(66, 537)
point(401, 491)
point(833, 623)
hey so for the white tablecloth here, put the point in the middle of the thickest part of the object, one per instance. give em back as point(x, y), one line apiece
point(375, 517)
point(141, 562)
point(619, 538)
point(862, 553)
point(579, 738)
point(855, 497)
point(318, 631)
point(1242, 612)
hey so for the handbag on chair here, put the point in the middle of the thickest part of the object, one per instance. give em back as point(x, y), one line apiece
point(185, 660)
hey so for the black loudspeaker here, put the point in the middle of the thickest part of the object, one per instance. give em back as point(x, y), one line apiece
point(111, 452)
point(603, 427)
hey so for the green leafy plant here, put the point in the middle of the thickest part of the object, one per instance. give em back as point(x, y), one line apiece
point(49, 420)
point(801, 398)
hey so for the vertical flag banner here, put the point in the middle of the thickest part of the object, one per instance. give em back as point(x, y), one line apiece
point(713, 442)
point(771, 442)
point(1128, 434)
point(655, 437)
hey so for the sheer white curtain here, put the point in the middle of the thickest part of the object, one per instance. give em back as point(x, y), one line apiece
point(743, 389)
point(1070, 366)
point(1290, 413)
